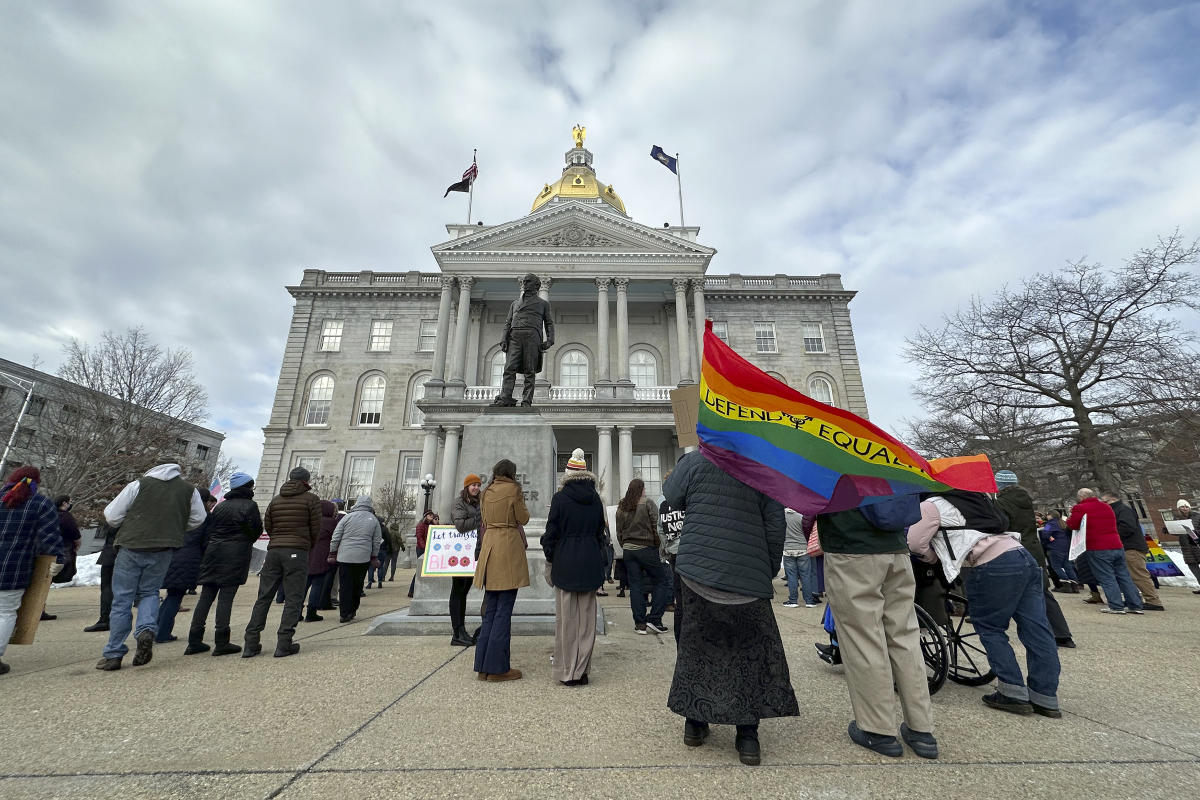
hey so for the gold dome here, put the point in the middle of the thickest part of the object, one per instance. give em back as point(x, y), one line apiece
point(578, 181)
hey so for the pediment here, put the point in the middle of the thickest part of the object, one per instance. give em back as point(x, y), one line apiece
point(572, 227)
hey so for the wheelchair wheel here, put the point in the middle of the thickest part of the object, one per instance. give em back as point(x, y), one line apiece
point(968, 660)
point(934, 650)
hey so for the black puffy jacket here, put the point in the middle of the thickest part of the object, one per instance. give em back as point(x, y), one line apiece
point(575, 539)
point(184, 572)
point(732, 534)
point(234, 525)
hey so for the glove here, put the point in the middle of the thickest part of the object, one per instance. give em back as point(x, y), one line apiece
point(55, 568)
point(332, 558)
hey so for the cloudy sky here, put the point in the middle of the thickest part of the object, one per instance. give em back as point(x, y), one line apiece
point(176, 164)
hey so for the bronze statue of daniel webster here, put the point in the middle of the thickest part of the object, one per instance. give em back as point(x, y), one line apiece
point(523, 342)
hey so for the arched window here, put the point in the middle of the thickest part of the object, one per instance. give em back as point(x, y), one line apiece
point(320, 398)
point(821, 389)
point(643, 368)
point(573, 369)
point(498, 368)
point(777, 377)
point(370, 400)
point(415, 417)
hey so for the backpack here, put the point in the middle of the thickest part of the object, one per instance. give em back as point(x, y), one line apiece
point(894, 514)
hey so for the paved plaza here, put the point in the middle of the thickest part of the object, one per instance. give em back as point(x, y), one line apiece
point(356, 716)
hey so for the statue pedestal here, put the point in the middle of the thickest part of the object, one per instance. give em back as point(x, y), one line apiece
point(525, 438)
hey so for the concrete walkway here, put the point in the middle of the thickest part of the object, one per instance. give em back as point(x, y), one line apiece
point(358, 716)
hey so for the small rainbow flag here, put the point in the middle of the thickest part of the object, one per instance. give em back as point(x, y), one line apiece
point(811, 457)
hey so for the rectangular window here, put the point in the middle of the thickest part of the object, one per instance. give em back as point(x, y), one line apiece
point(362, 475)
point(1135, 500)
point(381, 336)
point(310, 463)
point(25, 437)
point(410, 476)
point(36, 406)
point(1185, 491)
point(814, 339)
point(201, 452)
point(721, 331)
point(427, 337)
point(331, 336)
point(646, 466)
point(764, 337)
point(1156, 487)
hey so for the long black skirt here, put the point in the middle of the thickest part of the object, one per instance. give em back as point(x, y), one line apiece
point(730, 668)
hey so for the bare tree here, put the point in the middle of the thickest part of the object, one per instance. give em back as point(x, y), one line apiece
point(128, 406)
point(1079, 365)
point(326, 487)
point(223, 470)
point(397, 507)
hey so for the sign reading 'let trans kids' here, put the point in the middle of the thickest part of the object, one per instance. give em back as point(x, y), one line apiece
point(448, 553)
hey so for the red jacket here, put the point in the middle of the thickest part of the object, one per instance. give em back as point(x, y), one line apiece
point(1101, 524)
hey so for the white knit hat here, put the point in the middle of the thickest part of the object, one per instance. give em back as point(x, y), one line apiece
point(577, 461)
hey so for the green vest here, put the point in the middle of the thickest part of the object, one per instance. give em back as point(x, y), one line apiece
point(158, 516)
point(849, 532)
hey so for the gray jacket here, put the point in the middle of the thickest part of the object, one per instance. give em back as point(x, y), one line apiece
point(732, 534)
point(795, 541)
point(357, 537)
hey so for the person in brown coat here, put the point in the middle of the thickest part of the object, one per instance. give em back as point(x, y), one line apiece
point(500, 569)
point(293, 523)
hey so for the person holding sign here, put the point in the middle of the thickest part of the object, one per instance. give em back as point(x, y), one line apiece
point(28, 528)
point(465, 516)
point(1105, 554)
point(500, 570)
point(574, 544)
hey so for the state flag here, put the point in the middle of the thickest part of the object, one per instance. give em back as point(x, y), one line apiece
point(667, 161)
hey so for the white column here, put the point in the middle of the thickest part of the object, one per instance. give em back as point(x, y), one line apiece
point(443, 331)
point(681, 327)
point(698, 302)
point(544, 291)
point(471, 373)
point(449, 478)
point(429, 452)
point(625, 456)
point(622, 329)
point(604, 464)
point(603, 367)
point(460, 330)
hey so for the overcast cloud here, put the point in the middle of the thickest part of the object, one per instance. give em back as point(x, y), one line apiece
point(177, 164)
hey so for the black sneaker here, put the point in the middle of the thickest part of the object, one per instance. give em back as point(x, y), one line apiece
point(640, 629)
point(1152, 607)
point(1046, 711)
point(884, 745)
point(1065, 641)
point(828, 653)
point(656, 627)
point(99, 626)
point(694, 733)
point(1009, 704)
point(923, 744)
point(145, 648)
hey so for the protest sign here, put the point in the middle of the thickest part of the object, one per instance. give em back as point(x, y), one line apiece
point(449, 553)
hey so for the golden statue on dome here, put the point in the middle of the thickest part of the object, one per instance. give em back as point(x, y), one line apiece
point(580, 133)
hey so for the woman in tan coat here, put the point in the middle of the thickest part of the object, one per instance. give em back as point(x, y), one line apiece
point(500, 569)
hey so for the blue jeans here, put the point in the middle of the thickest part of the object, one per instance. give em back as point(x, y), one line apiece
point(492, 648)
point(641, 565)
point(1112, 574)
point(800, 578)
point(1063, 567)
point(137, 577)
point(1009, 587)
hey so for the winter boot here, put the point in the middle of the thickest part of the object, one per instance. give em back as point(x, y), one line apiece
point(223, 647)
point(286, 647)
point(313, 616)
point(461, 637)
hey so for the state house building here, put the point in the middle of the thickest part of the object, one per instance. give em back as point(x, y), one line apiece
point(382, 369)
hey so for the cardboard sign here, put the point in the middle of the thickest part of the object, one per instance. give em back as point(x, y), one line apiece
point(448, 553)
point(33, 602)
point(1078, 541)
point(685, 403)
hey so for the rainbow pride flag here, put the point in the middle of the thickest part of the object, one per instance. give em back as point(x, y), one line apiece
point(1158, 563)
point(809, 456)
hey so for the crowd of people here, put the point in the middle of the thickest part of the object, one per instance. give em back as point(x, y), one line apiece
point(707, 550)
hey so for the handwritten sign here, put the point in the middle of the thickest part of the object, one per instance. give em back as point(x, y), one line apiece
point(448, 553)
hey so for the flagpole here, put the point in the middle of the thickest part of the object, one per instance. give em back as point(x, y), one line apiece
point(679, 183)
point(471, 193)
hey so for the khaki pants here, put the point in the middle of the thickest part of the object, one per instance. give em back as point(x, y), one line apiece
point(872, 601)
point(574, 633)
point(1141, 577)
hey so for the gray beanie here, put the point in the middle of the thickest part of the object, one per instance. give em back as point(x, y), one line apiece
point(299, 474)
point(1006, 477)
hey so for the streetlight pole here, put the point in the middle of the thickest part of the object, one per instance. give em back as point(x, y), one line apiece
point(20, 383)
point(428, 484)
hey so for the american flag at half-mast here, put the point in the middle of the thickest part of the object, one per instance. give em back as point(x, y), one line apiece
point(468, 177)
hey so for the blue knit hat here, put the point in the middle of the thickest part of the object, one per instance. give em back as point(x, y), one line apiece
point(239, 479)
point(1006, 477)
